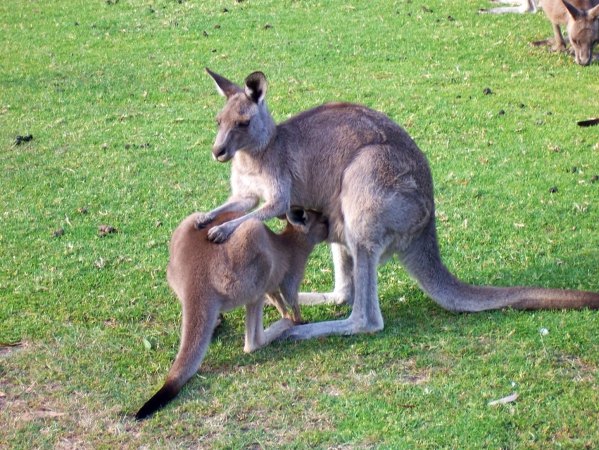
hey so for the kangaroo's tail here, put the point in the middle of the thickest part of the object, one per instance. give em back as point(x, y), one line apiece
point(196, 333)
point(423, 262)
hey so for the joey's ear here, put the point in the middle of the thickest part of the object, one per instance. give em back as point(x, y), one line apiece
point(223, 86)
point(573, 10)
point(297, 216)
point(256, 87)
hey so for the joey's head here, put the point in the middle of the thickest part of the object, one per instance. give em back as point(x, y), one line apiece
point(244, 124)
point(583, 30)
point(309, 227)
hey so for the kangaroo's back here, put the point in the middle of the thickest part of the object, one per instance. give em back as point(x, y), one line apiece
point(557, 11)
point(192, 256)
point(380, 153)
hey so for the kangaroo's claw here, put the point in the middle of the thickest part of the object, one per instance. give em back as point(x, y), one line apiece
point(202, 220)
point(219, 234)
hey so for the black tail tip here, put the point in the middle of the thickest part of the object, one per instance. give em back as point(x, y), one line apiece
point(160, 399)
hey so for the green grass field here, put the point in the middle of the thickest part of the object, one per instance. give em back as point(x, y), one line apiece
point(122, 117)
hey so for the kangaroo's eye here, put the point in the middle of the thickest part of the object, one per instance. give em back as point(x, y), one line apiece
point(244, 124)
point(218, 121)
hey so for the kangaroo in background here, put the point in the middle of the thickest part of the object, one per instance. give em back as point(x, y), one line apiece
point(580, 18)
point(369, 178)
point(209, 279)
point(526, 6)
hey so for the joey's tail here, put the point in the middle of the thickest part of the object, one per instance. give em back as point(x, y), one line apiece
point(196, 333)
point(423, 262)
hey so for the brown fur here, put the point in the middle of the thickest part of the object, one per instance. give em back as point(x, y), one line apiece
point(580, 19)
point(579, 16)
point(209, 279)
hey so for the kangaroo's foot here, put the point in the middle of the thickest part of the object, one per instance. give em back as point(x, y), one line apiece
point(324, 298)
point(544, 42)
point(344, 327)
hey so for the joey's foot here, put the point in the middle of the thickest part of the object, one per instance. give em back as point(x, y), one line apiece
point(219, 234)
point(202, 220)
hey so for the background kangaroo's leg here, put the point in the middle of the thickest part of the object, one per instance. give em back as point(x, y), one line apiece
point(526, 6)
point(560, 44)
point(343, 294)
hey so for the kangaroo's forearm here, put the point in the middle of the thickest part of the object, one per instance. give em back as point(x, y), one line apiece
point(235, 204)
point(270, 210)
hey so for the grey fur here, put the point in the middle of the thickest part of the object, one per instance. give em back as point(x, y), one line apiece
point(364, 173)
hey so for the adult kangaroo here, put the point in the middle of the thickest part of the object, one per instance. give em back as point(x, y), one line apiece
point(580, 18)
point(210, 279)
point(364, 173)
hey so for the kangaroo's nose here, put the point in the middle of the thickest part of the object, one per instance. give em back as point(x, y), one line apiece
point(219, 151)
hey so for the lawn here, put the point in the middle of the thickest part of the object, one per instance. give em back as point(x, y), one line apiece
point(121, 114)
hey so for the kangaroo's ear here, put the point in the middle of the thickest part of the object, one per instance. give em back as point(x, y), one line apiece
point(224, 87)
point(573, 10)
point(593, 13)
point(297, 216)
point(256, 87)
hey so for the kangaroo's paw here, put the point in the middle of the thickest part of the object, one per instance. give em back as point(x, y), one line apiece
point(220, 234)
point(202, 220)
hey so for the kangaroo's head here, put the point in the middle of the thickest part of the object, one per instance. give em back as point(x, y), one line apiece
point(244, 124)
point(309, 227)
point(583, 31)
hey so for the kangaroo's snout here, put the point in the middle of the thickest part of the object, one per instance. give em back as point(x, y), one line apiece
point(584, 59)
point(220, 153)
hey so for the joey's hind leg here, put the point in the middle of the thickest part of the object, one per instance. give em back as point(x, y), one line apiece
point(276, 299)
point(255, 335)
point(343, 293)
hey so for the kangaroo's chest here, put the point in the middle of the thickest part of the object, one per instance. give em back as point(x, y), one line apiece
point(254, 180)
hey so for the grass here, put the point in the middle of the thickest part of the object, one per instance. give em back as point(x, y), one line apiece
point(122, 116)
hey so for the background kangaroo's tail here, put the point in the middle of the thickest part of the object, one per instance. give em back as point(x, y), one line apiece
point(196, 333)
point(423, 262)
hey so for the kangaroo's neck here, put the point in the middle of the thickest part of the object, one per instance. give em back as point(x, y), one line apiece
point(267, 133)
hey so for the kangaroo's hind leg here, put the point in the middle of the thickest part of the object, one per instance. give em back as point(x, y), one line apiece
point(382, 215)
point(343, 293)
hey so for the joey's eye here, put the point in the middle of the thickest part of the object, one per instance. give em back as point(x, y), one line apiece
point(244, 124)
point(218, 121)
